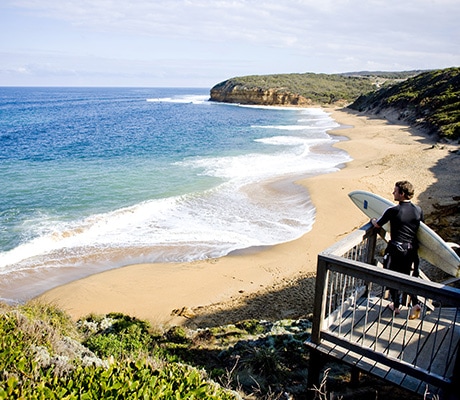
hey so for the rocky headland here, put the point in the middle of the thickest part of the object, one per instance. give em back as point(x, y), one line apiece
point(234, 92)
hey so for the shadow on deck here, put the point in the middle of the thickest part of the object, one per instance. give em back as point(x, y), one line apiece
point(352, 322)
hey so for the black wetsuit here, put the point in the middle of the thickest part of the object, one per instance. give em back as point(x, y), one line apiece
point(401, 252)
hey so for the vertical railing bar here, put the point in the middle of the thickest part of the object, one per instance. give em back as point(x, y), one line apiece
point(344, 292)
point(337, 293)
point(391, 331)
point(343, 287)
point(403, 344)
point(435, 340)
point(366, 318)
point(353, 305)
point(420, 330)
point(391, 339)
point(379, 320)
point(422, 347)
point(329, 284)
point(336, 289)
point(450, 353)
point(455, 354)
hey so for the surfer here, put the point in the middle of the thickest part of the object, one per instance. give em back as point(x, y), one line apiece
point(401, 252)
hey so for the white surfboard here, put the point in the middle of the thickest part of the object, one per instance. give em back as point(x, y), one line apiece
point(432, 247)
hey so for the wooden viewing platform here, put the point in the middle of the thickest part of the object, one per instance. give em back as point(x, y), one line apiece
point(352, 322)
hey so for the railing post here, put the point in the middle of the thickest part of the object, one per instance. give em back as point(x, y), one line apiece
point(315, 365)
point(319, 306)
point(370, 248)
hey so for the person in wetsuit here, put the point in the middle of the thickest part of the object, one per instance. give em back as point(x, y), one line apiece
point(401, 252)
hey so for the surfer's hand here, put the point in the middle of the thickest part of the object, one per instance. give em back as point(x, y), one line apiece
point(374, 222)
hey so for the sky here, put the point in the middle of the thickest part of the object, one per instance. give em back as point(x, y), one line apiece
point(199, 43)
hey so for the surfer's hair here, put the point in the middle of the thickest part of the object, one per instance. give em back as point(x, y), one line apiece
point(405, 188)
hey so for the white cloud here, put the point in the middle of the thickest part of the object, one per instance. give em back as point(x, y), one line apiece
point(223, 38)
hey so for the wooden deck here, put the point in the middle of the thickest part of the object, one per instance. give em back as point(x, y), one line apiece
point(367, 332)
point(353, 324)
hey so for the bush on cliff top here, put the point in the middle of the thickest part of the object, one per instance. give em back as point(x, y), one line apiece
point(430, 100)
point(320, 88)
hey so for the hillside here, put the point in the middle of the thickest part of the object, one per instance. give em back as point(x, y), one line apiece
point(44, 355)
point(430, 100)
point(302, 89)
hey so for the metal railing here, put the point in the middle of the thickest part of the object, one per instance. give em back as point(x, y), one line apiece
point(352, 320)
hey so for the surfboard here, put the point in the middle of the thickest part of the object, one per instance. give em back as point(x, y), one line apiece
point(432, 247)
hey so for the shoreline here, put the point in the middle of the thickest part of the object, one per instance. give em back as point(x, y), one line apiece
point(276, 281)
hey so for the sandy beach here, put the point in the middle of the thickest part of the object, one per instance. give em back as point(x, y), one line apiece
point(275, 282)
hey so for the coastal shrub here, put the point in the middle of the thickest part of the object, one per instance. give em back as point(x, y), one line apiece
point(13, 347)
point(116, 335)
point(177, 334)
point(136, 380)
point(50, 315)
point(24, 376)
point(252, 326)
point(266, 361)
point(430, 99)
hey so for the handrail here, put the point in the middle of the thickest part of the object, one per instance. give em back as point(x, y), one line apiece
point(352, 259)
point(351, 240)
point(408, 284)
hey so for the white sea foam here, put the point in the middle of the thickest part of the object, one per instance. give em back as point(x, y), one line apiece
point(295, 141)
point(207, 225)
point(242, 211)
point(288, 127)
point(194, 99)
point(216, 221)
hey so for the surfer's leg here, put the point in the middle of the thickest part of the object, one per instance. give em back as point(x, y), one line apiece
point(394, 263)
point(411, 265)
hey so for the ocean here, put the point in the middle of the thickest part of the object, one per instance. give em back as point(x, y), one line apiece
point(98, 178)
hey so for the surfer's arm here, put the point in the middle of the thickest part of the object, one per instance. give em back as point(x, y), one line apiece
point(378, 223)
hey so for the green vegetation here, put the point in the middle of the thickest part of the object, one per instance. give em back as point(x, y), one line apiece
point(430, 100)
point(116, 335)
point(44, 355)
point(319, 88)
point(39, 361)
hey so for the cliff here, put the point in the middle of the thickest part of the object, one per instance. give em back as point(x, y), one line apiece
point(292, 89)
point(233, 92)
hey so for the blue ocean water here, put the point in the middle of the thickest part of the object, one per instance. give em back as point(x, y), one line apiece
point(97, 178)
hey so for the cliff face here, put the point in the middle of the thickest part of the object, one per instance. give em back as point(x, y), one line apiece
point(229, 92)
